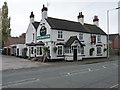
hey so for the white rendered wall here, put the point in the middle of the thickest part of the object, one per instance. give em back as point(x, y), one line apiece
point(86, 39)
point(48, 30)
point(20, 47)
point(29, 34)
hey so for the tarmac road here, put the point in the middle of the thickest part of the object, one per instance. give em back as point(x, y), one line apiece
point(97, 75)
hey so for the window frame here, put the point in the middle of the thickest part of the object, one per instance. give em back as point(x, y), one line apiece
point(81, 35)
point(39, 51)
point(58, 54)
point(32, 50)
point(99, 52)
point(82, 50)
point(33, 36)
point(99, 38)
point(60, 35)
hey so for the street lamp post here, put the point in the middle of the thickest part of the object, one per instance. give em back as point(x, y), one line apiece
point(108, 26)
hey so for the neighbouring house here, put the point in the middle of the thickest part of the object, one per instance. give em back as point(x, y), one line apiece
point(114, 43)
point(119, 18)
point(14, 45)
point(64, 39)
point(114, 40)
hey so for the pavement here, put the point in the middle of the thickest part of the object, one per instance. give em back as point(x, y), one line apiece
point(14, 63)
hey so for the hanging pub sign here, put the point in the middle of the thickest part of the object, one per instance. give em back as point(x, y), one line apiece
point(43, 31)
point(93, 39)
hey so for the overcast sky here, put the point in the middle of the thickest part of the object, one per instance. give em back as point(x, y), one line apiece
point(19, 11)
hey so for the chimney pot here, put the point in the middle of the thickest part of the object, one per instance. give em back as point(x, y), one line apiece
point(96, 20)
point(81, 18)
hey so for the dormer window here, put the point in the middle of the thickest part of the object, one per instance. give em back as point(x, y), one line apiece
point(60, 34)
point(81, 36)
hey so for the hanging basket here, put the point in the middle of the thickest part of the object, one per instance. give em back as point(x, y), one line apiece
point(105, 49)
point(92, 49)
point(55, 49)
point(45, 49)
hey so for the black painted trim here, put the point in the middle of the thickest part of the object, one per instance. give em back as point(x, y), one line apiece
point(60, 39)
point(99, 45)
point(99, 42)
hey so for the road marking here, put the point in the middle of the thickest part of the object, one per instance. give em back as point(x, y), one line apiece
point(89, 69)
point(114, 86)
point(104, 67)
point(14, 83)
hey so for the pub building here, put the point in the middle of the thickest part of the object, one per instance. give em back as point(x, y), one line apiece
point(64, 39)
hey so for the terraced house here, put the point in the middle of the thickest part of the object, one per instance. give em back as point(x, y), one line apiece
point(64, 39)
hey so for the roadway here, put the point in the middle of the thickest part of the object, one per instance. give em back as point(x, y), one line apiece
point(97, 75)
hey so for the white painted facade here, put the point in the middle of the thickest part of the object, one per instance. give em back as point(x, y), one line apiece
point(20, 49)
point(51, 39)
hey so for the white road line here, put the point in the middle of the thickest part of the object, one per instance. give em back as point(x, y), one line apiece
point(104, 67)
point(114, 86)
point(89, 69)
point(14, 83)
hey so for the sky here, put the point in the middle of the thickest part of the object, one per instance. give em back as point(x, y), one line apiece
point(19, 11)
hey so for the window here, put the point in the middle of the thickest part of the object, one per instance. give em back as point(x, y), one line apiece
point(33, 36)
point(80, 36)
point(99, 38)
point(66, 50)
point(79, 49)
point(39, 50)
point(70, 50)
point(60, 51)
point(60, 34)
point(82, 50)
point(32, 50)
point(98, 50)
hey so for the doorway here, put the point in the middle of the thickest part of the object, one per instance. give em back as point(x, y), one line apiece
point(75, 55)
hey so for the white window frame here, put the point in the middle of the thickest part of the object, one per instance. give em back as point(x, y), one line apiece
point(82, 50)
point(32, 50)
point(60, 35)
point(100, 51)
point(79, 49)
point(38, 51)
point(99, 38)
point(58, 50)
point(81, 35)
point(33, 36)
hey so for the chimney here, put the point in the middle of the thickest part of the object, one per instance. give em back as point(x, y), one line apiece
point(96, 21)
point(44, 12)
point(31, 17)
point(81, 18)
